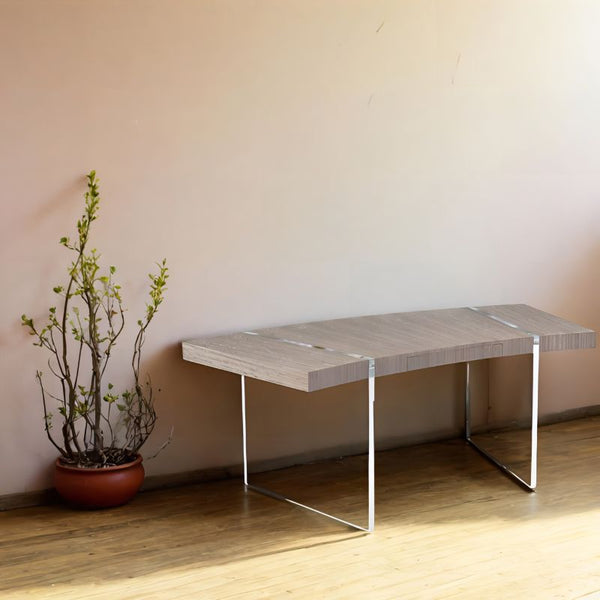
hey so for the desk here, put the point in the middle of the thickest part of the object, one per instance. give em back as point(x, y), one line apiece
point(314, 356)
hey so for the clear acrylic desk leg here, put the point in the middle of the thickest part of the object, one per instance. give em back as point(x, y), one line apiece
point(531, 485)
point(371, 461)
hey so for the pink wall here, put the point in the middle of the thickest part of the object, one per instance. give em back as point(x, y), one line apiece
point(299, 160)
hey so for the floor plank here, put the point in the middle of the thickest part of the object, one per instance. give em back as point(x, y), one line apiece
point(448, 525)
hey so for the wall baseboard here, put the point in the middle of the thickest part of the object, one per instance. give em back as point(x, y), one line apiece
point(571, 415)
point(29, 499)
point(157, 482)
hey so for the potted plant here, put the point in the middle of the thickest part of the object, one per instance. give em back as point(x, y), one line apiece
point(97, 430)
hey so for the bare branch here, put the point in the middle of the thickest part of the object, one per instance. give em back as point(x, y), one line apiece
point(91, 432)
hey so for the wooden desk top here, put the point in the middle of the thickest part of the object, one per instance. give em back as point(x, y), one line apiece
point(313, 356)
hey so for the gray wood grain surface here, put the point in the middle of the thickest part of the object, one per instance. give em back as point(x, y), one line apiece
point(313, 356)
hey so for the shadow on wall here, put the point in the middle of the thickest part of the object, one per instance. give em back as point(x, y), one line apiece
point(567, 379)
point(286, 426)
point(62, 202)
point(201, 405)
point(578, 296)
point(65, 198)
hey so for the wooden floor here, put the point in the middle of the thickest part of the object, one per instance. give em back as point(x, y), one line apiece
point(448, 525)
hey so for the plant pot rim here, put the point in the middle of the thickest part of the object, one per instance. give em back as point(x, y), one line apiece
point(60, 465)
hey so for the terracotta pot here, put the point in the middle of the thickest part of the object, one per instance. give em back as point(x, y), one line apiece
point(98, 488)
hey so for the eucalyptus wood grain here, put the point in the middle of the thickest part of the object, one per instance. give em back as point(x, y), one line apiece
point(293, 366)
point(448, 528)
point(312, 356)
point(555, 333)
